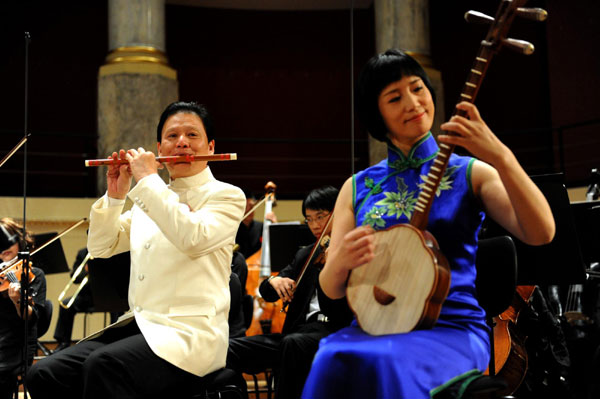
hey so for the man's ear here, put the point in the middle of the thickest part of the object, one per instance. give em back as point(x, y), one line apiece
point(211, 147)
point(158, 148)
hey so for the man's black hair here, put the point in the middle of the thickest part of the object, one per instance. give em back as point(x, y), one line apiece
point(188, 108)
point(320, 199)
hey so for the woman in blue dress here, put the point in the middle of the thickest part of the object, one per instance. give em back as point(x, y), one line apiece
point(395, 101)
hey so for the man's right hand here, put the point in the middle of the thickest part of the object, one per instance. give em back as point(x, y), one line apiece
point(284, 286)
point(118, 177)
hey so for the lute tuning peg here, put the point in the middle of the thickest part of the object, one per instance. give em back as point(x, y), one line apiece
point(477, 17)
point(536, 14)
point(520, 46)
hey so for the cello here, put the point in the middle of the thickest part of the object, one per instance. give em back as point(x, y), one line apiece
point(266, 317)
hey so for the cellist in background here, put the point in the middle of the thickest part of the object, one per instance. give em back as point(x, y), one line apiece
point(249, 234)
point(11, 321)
point(310, 315)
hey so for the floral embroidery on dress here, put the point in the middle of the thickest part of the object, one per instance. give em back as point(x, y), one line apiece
point(445, 184)
point(399, 203)
point(374, 218)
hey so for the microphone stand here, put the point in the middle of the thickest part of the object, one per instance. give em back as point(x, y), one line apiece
point(24, 250)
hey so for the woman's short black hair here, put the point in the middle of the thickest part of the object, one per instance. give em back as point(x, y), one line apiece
point(320, 199)
point(189, 108)
point(11, 233)
point(380, 71)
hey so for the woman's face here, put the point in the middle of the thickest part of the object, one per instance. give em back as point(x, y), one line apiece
point(10, 253)
point(407, 109)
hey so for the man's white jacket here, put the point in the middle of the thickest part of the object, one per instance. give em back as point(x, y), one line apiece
point(181, 238)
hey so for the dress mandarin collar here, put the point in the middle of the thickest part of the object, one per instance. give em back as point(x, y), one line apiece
point(422, 151)
point(192, 181)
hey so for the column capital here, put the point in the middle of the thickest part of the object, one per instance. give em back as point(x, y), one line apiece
point(137, 59)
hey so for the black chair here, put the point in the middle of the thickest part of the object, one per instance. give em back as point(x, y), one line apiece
point(226, 383)
point(42, 326)
point(246, 302)
point(496, 283)
point(496, 265)
point(109, 284)
point(221, 384)
point(237, 322)
point(248, 309)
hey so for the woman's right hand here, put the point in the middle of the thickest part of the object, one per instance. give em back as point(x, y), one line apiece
point(118, 177)
point(350, 246)
point(357, 248)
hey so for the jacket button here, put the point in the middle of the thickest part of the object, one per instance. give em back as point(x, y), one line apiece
point(138, 308)
point(147, 245)
point(140, 277)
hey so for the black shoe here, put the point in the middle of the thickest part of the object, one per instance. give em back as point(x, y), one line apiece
point(61, 346)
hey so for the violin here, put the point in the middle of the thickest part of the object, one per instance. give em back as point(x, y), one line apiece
point(11, 272)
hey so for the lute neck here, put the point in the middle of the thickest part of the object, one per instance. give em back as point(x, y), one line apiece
point(434, 177)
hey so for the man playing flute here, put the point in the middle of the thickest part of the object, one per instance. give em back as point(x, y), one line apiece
point(181, 238)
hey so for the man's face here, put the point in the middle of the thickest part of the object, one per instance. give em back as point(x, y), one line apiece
point(316, 220)
point(184, 134)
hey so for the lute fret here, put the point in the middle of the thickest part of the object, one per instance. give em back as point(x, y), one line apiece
point(469, 93)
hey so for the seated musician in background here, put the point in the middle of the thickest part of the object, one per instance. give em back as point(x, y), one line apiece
point(181, 238)
point(11, 321)
point(249, 234)
point(237, 286)
point(82, 303)
point(395, 101)
point(310, 315)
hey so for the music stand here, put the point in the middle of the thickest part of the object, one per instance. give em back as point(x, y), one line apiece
point(586, 215)
point(559, 262)
point(109, 282)
point(52, 258)
point(285, 239)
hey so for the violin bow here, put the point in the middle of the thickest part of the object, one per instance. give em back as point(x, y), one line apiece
point(310, 259)
point(15, 149)
point(50, 241)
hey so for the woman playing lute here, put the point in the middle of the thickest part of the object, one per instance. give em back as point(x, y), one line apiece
point(396, 103)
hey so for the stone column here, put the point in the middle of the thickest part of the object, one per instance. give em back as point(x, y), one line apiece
point(404, 24)
point(135, 83)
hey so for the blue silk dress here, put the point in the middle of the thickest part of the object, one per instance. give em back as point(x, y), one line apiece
point(353, 364)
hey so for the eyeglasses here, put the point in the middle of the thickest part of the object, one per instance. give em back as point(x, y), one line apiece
point(319, 218)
